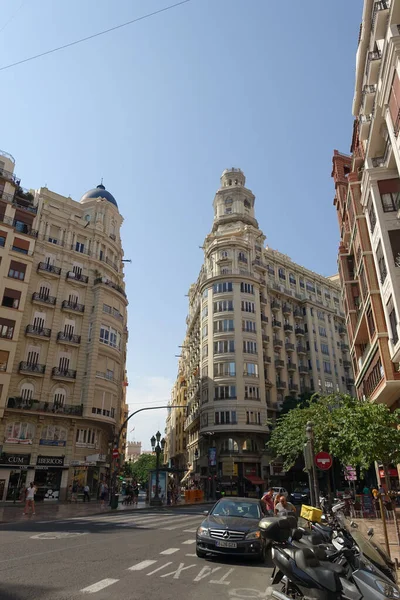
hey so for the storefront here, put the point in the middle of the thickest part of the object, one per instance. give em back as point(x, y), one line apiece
point(48, 477)
point(90, 472)
point(14, 476)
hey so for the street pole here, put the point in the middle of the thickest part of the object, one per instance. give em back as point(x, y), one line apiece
point(313, 470)
point(156, 495)
point(383, 516)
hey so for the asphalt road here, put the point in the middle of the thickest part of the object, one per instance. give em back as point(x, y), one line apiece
point(131, 555)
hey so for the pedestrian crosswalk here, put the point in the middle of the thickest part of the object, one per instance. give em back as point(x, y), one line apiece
point(163, 520)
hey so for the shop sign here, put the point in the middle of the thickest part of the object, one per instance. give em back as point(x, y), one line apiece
point(52, 443)
point(96, 458)
point(391, 472)
point(15, 460)
point(50, 461)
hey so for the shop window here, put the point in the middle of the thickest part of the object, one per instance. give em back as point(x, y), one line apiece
point(19, 433)
point(250, 446)
point(229, 445)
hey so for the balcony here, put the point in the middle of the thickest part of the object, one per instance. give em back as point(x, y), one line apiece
point(303, 370)
point(279, 364)
point(6, 197)
point(265, 339)
point(301, 349)
point(289, 347)
point(268, 360)
point(275, 306)
point(276, 324)
point(373, 65)
point(342, 330)
point(364, 126)
point(39, 298)
point(297, 313)
point(299, 331)
point(287, 327)
point(344, 347)
point(31, 368)
point(264, 319)
point(34, 331)
point(281, 385)
point(291, 366)
point(9, 176)
point(18, 403)
point(49, 269)
point(346, 364)
point(77, 277)
point(368, 94)
point(110, 284)
point(286, 309)
point(68, 338)
point(72, 306)
point(349, 381)
point(57, 373)
point(293, 387)
point(278, 343)
point(263, 299)
point(268, 383)
point(379, 18)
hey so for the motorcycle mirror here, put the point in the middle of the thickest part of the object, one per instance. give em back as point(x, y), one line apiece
point(370, 532)
point(354, 524)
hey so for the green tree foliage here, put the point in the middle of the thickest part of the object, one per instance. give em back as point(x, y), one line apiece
point(356, 433)
point(140, 469)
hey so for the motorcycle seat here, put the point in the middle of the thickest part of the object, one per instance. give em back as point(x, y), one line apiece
point(326, 574)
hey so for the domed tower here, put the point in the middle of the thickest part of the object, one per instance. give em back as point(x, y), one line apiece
point(99, 192)
point(233, 201)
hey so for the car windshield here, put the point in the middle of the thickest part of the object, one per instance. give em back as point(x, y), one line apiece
point(227, 508)
point(301, 491)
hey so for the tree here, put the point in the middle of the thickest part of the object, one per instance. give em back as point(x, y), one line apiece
point(357, 433)
point(290, 403)
point(140, 469)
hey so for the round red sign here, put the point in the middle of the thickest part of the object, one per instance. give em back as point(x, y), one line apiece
point(115, 453)
point(323, 460)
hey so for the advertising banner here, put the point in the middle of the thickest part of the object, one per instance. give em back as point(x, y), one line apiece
point(162, 485)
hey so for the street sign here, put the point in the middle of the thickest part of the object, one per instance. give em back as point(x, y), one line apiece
point(115, 453)
point(350, 474)
point(323, 460)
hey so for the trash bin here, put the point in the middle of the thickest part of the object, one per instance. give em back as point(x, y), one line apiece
point(114, 501)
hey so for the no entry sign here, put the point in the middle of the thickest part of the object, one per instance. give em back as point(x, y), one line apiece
point(323, 460)
point(115, 453)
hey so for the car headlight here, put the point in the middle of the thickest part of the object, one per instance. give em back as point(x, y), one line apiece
point(253, 535)
point(202, 531)
point(304, 495)
point(387, 589)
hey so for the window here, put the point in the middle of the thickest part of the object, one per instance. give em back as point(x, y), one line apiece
point(229, 446)
point(89, 438)
point(249, 326)
point(311, 311)
point(225, 417)
point(250, 446)
point(3, 237)
point(27, 391)
point(59, 397)
point(204, 420)
point(318, 365)
point(389, 190)
point(204, 350)
point(204, 312)
point(224, 392)
point(247, 288)
point(220, 288)
point(79, 247)
point(394, 238)
point(223, 306)
point(251, 369)
point(292, 279)
point(372, 217)
point(251, 392)
point(228, 201)
point(301, 283)
point(328, 387)
point(381, 263)
point(107, 309)
point(3, 360)
point(281, 273)
point(204, 331)
point(253, 418)
point(327, 367)
point(224, 254)
point(110, 337)
point(11, 298)
point(249, 347)
point(205, 293)
point(321, 315)
point(90, 332)
point(223, 325)
point(54, 433)
point(228, 210)
point(310, 286)
point(371, 322)
point(393, 321)
point(394, 102)
point(18, 432)
point(246, 203)
point(17, 270)
point(21, 246)
point(315, 346)
point(204, 371)
point(242, 257)
point(324, 348)
point(224, 347)
point(224, 369)
point(6, 328)
point(322, 331)
point(205, 395)
point(248, 306)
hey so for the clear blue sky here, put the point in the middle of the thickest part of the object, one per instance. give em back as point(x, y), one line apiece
point(159, 109)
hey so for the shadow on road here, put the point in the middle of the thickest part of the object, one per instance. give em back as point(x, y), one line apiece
point(12, 591)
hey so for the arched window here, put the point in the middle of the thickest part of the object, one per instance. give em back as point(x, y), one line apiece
point(54, 433)
point(59, 397)
point(27, 391)
point(250, 446)
point(229, 445)
point(20, 432)
point(228, 201)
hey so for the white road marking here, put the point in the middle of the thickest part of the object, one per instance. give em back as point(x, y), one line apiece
point(178, 571)
point(222, 580)
point(205, 572)
point(189, 530)
point(176, 526)
point(189, 542)
point(191, 555)
point(170, 551)
point(100, 585)
point(142, 565)
point(57, 535)
point(159, 569)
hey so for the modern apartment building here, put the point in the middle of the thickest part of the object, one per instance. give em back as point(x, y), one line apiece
point(260, 327)
point(368, 201)
point(65, 376)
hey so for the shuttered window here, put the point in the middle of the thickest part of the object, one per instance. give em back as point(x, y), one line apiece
point(394, 103)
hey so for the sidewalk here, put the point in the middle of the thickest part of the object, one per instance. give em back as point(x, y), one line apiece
point(376, 524)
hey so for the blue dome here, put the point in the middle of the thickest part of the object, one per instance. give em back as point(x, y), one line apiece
point(99, 192)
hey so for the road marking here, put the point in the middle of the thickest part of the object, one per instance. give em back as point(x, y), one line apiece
point(178, 571)
point(57, 535)
point(222, 580)
point(189, 542)
point(142, 565)
point(189, 530)
point(159, 569)
point(191, 555)
point(177, 526)
point(205, 572)
point(170, 551)
point(100, 585)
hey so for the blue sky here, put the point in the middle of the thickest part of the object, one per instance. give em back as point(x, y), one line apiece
point(159, 109)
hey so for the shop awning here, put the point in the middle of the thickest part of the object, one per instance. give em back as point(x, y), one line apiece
point(255, 480)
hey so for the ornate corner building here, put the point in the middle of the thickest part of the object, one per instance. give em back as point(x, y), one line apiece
point(368, 208)
point(63, 319)
point(259, 328)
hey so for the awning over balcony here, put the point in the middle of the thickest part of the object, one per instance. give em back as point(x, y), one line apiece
point(255, 480)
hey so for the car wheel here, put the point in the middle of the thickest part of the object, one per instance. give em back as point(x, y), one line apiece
point(262, 557)
point(200, 553)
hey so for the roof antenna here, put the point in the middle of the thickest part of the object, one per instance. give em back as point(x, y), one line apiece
point(101, 181)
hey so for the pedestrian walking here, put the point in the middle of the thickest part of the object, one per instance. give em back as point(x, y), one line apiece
point(74, 494)
point(267, 501)
point(30, 498)
point(86, 493)
point(136, 495)
point(103, 493)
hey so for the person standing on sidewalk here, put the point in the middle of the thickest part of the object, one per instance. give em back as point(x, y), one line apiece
point(30, 498)
point(86, 493)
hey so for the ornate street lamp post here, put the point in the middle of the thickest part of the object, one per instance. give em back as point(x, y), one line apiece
point(158, 447)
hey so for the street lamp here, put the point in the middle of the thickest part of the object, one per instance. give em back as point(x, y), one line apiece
point(157, 445)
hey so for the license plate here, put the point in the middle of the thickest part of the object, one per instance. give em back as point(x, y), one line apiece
point(226, 544)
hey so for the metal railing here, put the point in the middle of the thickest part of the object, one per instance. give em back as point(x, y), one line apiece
point(114, 286)
point(287, 327)
point(38, 297)
point(77, 277)
point(289, 346)
point(18, 403)
point(42, 266)
point(32, 368)
point(10, 176)
point(291, 366)
point(67, 304)
point(67, 373)
point(68, 337)
point(40, 331)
